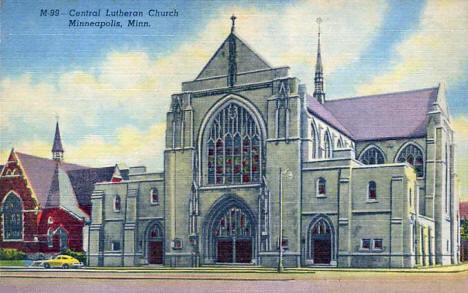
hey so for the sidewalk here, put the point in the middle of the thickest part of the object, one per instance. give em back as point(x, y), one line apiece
point(240, 270)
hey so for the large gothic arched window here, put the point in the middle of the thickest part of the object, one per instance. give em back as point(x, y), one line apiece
point(12, 217)
point(372, 156)
point(233, 147)
point(414, 156)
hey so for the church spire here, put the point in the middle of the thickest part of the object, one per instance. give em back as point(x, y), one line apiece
point(319, 92)
point(57, 148)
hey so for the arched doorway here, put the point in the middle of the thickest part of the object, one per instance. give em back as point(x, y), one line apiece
point(155, 244)
point(320, 242)
point(229, 231)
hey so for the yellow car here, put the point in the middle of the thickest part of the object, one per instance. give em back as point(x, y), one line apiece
point(62, 261)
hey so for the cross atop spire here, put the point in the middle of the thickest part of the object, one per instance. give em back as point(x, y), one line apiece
point(319, 92)
point(57, 148)
point(233, 19)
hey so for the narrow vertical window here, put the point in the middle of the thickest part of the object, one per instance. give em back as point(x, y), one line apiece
point(328, 146)
point(154, 196)
point(117, 203)
point(50, 239)
point(372, 191)
point(321, 187)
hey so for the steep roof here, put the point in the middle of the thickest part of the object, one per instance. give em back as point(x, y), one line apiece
point(384, 116)
point(57, 147)
point(83, 181)
point(40, 172)
point(318, 109)
point(246, 59)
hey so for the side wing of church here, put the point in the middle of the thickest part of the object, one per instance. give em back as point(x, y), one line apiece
point(253, 163)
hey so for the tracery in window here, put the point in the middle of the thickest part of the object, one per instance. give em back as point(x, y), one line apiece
point(414, 156)
point(234, 223)
point(372, 156)
point(13, 217)
point(233, 148)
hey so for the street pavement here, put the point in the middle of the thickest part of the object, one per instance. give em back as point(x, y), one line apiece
point(445, 279)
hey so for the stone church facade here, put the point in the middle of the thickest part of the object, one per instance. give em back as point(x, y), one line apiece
point(355, 182)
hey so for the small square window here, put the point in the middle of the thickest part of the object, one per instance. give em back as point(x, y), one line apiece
point(378, 245)
point(365, 244)
point(285, 243)
point(177, 244)
point(115, 245)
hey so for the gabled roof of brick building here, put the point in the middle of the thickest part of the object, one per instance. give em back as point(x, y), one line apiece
point(62, 184)
point(384, 116)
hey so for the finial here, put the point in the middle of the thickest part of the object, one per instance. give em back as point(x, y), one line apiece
point(233, 19)
point(319, 21)
point(57, 117)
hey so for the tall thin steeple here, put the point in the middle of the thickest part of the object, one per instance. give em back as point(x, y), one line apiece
point(57, 148)
point(319, 92)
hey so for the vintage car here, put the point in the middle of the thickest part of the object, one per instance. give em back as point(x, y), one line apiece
point(62, 261)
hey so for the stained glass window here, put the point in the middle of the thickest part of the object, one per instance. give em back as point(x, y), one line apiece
point(372, 190)
point(154, 195)
point(234, 223)
point(13, 217)
point(233, 148)
point(117, 203)
point(321, 187)
point(372, 156)
point(414, 156)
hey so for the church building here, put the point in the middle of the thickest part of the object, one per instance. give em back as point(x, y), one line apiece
point(45, 203)
point(257, 171)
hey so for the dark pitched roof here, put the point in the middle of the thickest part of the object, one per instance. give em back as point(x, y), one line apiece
point(384, 116)
point(83, 181)
point(57, 147)
point(40, 172)
point(318, 109)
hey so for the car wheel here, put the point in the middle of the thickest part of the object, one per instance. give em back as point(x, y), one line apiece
point(65, 266)
point(46, 265)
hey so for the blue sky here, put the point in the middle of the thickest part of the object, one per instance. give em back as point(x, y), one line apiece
point(111, 86)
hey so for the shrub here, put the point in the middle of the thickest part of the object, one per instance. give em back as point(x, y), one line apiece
point(78, 255)
point(11, 254)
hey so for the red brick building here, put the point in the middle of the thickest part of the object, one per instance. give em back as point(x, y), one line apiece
point(45, 203)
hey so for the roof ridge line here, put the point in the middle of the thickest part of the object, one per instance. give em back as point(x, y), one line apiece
point(383, 94)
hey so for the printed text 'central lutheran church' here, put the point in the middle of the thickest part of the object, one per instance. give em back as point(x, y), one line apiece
point(253, 163)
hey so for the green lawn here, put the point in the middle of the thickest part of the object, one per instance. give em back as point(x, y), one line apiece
point(16, 263)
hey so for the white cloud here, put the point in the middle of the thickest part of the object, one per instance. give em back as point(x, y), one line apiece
point(139, 84)
point(437, 51)
point(460, 127)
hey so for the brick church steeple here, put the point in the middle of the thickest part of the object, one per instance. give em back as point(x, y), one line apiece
point(57, 148)
point(319, 92)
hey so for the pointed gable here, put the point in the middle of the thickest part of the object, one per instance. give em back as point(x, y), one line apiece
point(246, 59)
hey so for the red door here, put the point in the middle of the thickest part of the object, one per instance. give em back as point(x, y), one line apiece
point(155, 252)
point(225, 251)
point(322, 251)
point(243, 251)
